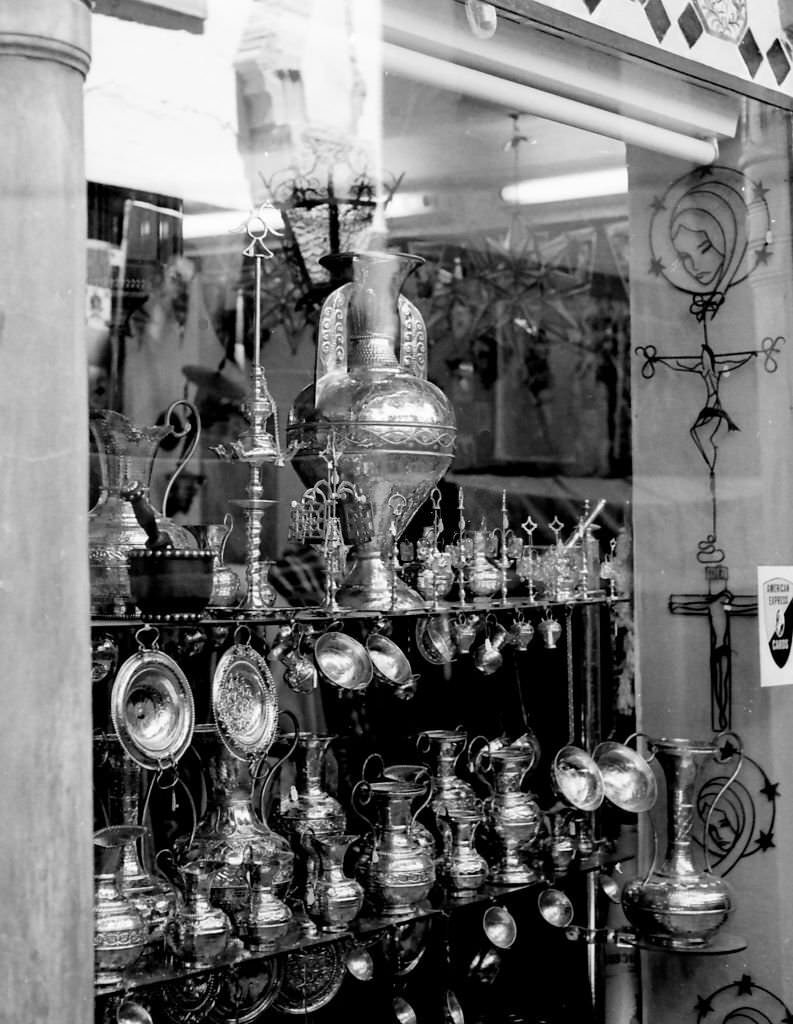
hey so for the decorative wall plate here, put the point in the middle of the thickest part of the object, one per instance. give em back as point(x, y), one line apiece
point(244, 702)
point(152, 710)
point(248, 989)
point(312, 978)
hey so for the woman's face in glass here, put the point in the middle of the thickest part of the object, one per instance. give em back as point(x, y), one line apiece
point(698, 255)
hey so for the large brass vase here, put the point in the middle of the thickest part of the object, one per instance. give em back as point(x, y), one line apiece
point(678, 905)
point(394, 430)
point(401, 871)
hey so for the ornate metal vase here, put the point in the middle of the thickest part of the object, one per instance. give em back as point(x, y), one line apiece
point(126, 453)
point(513, 816)
point(266, 918)
point(400, 872)
point(464, 868)
point(120, 932)
point(199, 933)
point(337, 899)
point(232, 836)
point(394, 431)
point(309, 805)
point(678, 905)
point(444, 747)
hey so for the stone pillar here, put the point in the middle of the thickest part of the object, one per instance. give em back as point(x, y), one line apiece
point(46, 959)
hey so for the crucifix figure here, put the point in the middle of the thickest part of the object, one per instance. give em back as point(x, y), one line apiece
point(719, 604)
point(709, 231)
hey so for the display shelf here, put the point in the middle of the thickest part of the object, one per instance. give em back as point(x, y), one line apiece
point(159, 965)
point(280, 615)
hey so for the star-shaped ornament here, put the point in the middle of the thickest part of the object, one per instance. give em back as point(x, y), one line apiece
point(745, 985)
point(703, 1006)
point(765, 840)
point(657, 266)
point(762, 255)
point(760, 191)
point(657, 204)
point(770, 790)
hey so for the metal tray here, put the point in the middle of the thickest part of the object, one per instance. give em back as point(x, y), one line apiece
point(151, 706)
point(244, 702)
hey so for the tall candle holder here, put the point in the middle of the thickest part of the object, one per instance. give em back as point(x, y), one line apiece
point(256, 446)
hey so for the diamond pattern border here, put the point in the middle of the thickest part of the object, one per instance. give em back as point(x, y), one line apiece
point(766, 59)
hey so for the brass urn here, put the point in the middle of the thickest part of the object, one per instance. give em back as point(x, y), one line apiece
point(392, 429)
point(679, 905)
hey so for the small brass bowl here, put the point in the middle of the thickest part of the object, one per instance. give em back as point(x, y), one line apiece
point(556, 907)
point(389, 662)
point(170, 584)
point(577, 778)
point(500, 927)
point(434, 640)
point(628, 779)
point(343, 661)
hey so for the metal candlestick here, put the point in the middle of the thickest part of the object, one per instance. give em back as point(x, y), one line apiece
point(256, 446)
point(315, 520)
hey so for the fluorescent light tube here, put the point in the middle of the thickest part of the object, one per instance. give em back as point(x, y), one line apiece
point(608, 181)
point(524, 99)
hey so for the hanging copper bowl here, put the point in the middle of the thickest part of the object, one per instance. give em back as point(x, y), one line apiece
point(577, 779)
point(343, 661)
point(628, 779)
point(151, 707)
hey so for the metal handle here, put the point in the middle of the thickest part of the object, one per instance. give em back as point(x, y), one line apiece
point(367, 775)
point(427, 798)
point(635, 736)
point(360, 797)
point(722, 791)
point(272, 772)
point(228, 522)
point(178, 434)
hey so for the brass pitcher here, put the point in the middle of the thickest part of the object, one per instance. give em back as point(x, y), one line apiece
point(126, 454)
point(266, 918)
point(334, 899)
point(231, 836)
point(394, 431)
point(464, 868)
point(151, 895)
point(400, 872)
point(310, 806)
point(513, 815)
point(444, 748)
point(199, 933)
point(678, 905)
point(120, 933)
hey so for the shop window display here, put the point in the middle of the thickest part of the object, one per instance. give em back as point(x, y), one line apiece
point(388, 568)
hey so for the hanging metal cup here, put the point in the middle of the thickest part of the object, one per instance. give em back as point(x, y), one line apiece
point(577, 779)
point(488, 658)
point(465, 630)
point(550, 630)
point(555, 907)
point(521, 632)
point(628, 778)
point(343, 661)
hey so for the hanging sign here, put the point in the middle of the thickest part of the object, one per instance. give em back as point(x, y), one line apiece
point(775, 624)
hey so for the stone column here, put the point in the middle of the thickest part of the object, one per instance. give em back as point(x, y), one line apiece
point(46, 959)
